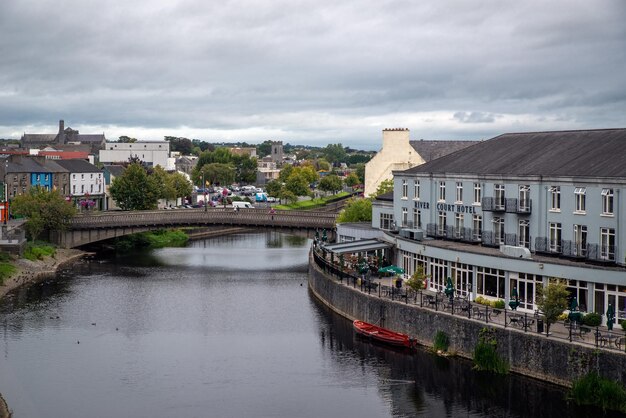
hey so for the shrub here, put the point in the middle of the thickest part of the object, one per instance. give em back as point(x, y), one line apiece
point(592, 389)
point(441, 342)
point(592, 319)
point(35, 251)
point(499, 304)
point(623, 324)
point(486, 357)
point(6, 270)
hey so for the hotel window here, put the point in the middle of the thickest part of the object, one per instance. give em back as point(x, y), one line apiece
point(441, 226)
point(580, 240)
point(555, 237)
point(459, 192)
point(386, 219)
point(405, 189)
point(417, 218)
point(82, 188)
point(607, 201)
point(490, 282)
point(524, 234)
point(555, 198)
point(524, 198)
point(442, 191)
point(607, 243)
point(498, 230)
point(477, 224)
point(416, 189)
point(477, 193)
point(498, 190)
point(579, 195)
point(458, 225)
point(405, 216)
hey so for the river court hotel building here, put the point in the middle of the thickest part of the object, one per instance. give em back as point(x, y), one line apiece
point(514, 211)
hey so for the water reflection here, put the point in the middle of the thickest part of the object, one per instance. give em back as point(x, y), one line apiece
point(420, 382)
point(224, 327)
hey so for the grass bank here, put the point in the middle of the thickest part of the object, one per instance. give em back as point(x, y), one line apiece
point(313, 203)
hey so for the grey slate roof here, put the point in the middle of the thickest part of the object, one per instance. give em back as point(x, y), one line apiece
point(431, 150)
point(588, 153)
point(78, 166)
point(385, 196)
point(115, 170)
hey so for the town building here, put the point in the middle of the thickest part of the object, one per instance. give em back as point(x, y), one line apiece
point(507, 214)
point(151, 153)
point(400, 153)
point(65, 139)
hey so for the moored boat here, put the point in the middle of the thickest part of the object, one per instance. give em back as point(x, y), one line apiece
point(381, 334)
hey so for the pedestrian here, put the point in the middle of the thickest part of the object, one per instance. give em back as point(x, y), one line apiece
point(272, 212)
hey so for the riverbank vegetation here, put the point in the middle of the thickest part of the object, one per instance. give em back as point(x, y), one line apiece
point(592, 389)
point(6, 267)
point(313, 203)
point(38, 250)
point(441, 342)
point(151, 240)
point(43, 210)
point(486, 357)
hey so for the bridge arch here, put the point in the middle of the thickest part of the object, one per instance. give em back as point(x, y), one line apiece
point(89, 228)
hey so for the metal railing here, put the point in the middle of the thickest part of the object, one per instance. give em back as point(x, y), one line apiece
point(516, 321)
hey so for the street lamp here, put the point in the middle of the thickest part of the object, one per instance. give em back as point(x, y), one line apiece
point(204, 188)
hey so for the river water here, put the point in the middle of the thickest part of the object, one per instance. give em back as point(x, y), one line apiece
point(225, 328)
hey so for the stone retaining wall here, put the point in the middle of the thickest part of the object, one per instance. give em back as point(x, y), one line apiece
point(529, 354)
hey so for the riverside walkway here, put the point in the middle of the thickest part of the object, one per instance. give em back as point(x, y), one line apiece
point(518, 321)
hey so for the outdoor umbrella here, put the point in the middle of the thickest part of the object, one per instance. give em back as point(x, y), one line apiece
point(449, 291)
point(574, 315)
point(514, 302)
point(391, 269)
point(610, 317)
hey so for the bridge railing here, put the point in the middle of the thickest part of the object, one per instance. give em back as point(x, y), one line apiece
point(251, 217)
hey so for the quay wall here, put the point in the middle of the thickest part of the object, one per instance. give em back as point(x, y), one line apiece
point(529, 354)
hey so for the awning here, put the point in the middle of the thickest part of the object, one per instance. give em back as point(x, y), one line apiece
point(361, 246)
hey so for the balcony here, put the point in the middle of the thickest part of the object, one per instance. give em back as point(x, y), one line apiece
point(543, 245)
point(522, 207)
point(490, 204)
point(489, 239)
point(601, 253)
point(573, 249)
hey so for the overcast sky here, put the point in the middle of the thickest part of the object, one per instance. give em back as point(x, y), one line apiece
point(311, 71)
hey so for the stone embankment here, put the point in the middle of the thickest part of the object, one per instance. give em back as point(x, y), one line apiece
point(530, 354)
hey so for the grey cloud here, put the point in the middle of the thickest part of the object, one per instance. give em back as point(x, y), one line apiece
point(256, 66)
point(474, 117)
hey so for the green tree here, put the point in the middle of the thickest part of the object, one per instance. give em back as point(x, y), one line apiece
point(360, 172)
point(352, 180)
point(298, 184)
point(331, 183)
point(245, 168)
point(44, 210)
point(215, 174)
point(135, 190)
point(288, 195)
point(264, 148)
point(552, 300)
point(356, 210)
point(127, 139)
point(285, 172)
point(385, 186)
point(335, 153)
point(417, 281)
point(179, 183)
point(182, 145)
point(273, 188)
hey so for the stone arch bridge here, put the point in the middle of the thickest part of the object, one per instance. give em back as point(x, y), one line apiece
point(89, 228)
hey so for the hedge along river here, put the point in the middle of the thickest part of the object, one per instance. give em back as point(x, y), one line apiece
point(225, 327)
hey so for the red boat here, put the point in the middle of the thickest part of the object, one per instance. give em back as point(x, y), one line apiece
point(382, 335)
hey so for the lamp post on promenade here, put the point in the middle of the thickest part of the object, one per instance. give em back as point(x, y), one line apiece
point(204, 188)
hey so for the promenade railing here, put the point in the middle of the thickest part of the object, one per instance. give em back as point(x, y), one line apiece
point(517, 321)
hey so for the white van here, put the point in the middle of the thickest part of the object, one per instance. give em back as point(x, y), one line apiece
point(242, 205)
